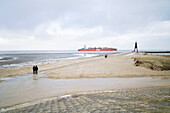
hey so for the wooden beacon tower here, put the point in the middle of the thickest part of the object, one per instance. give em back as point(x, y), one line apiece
point(136, 47)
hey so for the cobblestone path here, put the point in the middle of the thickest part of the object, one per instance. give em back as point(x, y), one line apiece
point(138, 100)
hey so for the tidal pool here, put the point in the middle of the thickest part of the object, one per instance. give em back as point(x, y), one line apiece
point(27, 88)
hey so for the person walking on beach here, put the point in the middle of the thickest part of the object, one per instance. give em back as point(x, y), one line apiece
point(105, 56)
point(36, 69)
point(35, 72)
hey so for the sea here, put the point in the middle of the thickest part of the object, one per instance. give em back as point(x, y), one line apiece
point(37, 57)
point(18, 58)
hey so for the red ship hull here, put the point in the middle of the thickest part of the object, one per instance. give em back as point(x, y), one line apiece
point(108, 49)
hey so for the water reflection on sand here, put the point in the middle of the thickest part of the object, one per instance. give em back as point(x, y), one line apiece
point(28, 88)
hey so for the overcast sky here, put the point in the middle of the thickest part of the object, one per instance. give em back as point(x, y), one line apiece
point(69, 24)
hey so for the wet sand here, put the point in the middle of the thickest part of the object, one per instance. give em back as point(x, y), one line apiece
point(20, 71)
point(129, 100)
point(24, 89)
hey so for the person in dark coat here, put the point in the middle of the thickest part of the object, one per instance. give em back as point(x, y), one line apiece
point(36, 69)
point(105, 56)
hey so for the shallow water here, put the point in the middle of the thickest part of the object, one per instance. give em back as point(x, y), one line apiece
point(32, 57)
point(29, 88)
point(18, 58)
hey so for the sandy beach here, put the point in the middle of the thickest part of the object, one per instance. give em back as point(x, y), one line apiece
point(113, 66)
point(116, 65)
point(122, 71)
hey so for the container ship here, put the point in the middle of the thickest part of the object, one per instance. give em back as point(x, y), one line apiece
point(97, 49)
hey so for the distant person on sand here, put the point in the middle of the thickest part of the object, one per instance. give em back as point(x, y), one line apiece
point(105, 56)
point(35, 69)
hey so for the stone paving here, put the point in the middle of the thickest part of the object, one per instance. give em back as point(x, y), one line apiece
point(136, 100)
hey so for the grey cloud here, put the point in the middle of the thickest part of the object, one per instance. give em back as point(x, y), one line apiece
point(115, 14)
point(24, 18)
